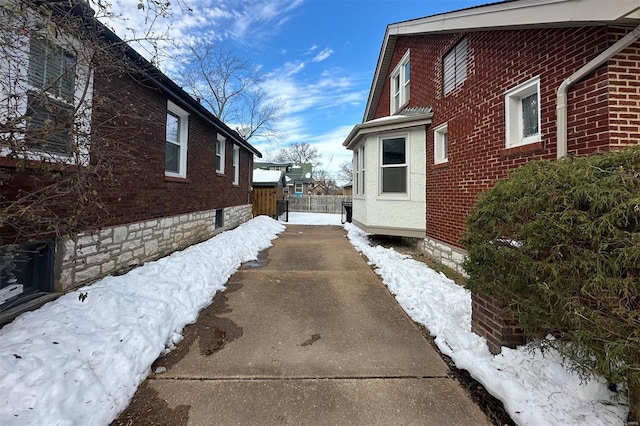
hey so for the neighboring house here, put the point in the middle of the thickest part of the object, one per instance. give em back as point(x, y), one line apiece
point(460, 99)
point(191, 178)
point(299, 180)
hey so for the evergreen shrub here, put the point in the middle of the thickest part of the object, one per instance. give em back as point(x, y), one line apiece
point(558, 242)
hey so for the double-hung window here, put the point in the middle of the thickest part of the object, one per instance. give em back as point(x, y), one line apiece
point(50, 98)
point(522, 114)
point(220, 148)
point(440, 144)
point(454, 66)
point(236, 164)
point(298, 188)
point(401, 83)
point(359, 166)
point(394, 166)
point(175, 160)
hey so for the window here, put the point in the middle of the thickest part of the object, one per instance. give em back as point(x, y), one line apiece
point(358, 166)
point(454, 66)
point(522, 114)
point(356, 170)
point(236, 164)
point(298, 189)
point(440, 144)
point(394, 166)
point(219, 219)
point(400, 84)
point(220, 148)
point(175, 159)
point(25, 269)
point(51, 68)
point(50, 99)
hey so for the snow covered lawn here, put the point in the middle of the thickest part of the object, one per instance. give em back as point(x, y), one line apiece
point(78, 360)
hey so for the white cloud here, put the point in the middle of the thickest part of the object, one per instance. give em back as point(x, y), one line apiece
point(241, 20)
point(322, 55)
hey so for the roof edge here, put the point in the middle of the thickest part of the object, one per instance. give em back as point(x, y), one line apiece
point(502, 15)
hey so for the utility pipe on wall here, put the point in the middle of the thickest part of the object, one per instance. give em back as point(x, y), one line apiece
point(561, 101)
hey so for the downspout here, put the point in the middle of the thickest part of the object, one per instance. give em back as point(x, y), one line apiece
point(561, 101)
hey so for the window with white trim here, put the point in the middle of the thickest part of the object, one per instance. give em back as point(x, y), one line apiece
point(362, 165)
point(454, 66)
point(220, 148)
point(57, 101)
point(400, 83)
point(236, 164)
point(298, 188)
point(440, 144)
point(356, 171)
point(393, 165)
point(177, 132)
point(522, 114)
point(358, 167)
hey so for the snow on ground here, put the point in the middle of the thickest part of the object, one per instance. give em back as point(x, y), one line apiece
point(313, 219)
point(79, 359)
point(535, 389)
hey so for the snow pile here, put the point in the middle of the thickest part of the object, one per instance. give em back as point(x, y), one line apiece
point(296, 218)
point(80, 359)
point(535, 389)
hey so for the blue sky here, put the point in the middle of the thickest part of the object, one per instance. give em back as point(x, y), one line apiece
point(318, 56)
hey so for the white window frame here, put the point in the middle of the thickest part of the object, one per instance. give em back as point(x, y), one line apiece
point(236, 164)
point(221, 144)
point(18, 76)
point(402, 95)
point(358, 168)
point(513, 113)
point(454, 66)
point(406, 165)
point(295, 188)
point(441, 144)
point(356, 171)
point(183, 139)
point(363, 180)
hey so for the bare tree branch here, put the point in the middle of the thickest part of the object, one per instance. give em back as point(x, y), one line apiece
point(231, 88)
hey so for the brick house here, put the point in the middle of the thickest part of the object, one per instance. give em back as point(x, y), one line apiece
point(182, 175)
point(460, 99)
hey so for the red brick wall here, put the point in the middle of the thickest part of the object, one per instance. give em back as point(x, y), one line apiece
point(624, 98)
point(475, 112)
point(147, 194)
point(128, 125)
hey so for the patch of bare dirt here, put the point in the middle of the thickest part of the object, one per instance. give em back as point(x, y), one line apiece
point(148, 409)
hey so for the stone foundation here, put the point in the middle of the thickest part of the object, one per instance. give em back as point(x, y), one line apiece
point(117, 249)
point(449, 256)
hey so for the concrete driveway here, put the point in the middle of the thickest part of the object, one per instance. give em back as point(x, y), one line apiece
point(306, 335)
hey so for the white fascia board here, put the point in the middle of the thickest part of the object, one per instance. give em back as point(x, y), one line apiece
point(385, 124)
point(504, 15)
point(520, 14)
